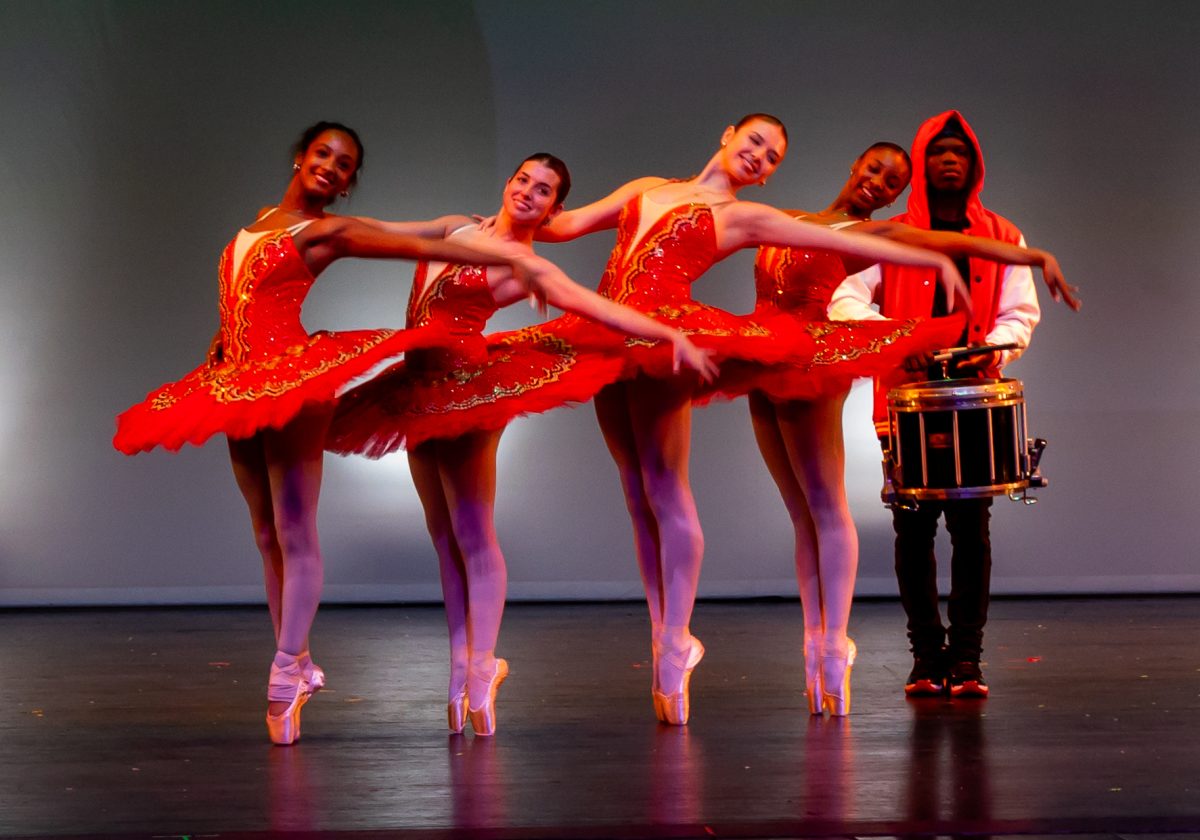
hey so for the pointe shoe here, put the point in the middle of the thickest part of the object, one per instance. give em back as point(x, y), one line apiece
point(483, 719)
point(287, 684)
point(456, 712)
point(812, 673)
point(835, 672)
point(655, 693)
point(675, 708)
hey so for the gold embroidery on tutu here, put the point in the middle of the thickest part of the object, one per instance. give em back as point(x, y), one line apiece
point(836, 340)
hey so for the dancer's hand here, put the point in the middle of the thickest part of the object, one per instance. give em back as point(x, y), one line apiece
point(686, 354)
point(529, 271)
point(1059, 288)
point(484, 224)
point(956, 290)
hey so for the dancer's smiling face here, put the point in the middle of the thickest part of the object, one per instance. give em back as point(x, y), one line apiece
point(531, 194)
point(877, 178)
point(752, 152)
point(329, 164)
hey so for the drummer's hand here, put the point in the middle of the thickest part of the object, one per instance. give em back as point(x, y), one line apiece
point(919, 363)
point(956, 289)
point(1059, 288)
point(977, 366)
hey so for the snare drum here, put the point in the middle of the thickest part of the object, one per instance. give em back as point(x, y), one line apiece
point(959, 439)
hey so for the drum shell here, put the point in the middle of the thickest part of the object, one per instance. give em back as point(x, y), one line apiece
point(957, 439)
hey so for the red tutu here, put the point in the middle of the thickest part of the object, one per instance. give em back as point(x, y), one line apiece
point(847, 350)
point(240, 399)
point(271, 367)
point(795, 285)
point(441, 395)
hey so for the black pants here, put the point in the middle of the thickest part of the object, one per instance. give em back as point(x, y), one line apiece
point(970, 576)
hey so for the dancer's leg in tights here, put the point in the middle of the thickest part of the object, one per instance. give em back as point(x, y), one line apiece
point(292, 458)
point(468, 552)
point(803, 446)
point(647, 426)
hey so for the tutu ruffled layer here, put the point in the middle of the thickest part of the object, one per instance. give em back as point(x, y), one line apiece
point(434, 395)
point(241, 398)
point(842, 352)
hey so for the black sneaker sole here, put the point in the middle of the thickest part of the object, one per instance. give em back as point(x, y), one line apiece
point(925, 688)
point(969, 688)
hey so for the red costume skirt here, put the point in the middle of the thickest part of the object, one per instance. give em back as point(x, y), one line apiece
point(242, 398)
point(439, 394)
point(844, 351)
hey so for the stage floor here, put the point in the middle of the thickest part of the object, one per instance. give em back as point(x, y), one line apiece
point(150, 722)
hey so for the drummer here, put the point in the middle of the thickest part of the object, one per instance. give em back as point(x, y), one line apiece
point(946, 182)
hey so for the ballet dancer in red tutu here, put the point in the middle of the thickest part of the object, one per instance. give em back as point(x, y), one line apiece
point(668, 234)
point(799, 433)
point(269, 385)
point(449, 411)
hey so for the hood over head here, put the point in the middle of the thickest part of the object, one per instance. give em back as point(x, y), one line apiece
point(946, 124)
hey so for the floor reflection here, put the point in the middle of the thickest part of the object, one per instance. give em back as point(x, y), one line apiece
point(949, 782)
point(479, 784)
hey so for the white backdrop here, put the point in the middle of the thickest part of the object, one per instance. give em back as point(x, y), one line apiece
point(138, 136)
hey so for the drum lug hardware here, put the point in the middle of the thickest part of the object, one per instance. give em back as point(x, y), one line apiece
point(1035, 447)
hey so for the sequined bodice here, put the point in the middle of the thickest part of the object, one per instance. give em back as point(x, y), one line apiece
point(679, 247)
point(261, 293)
point(458, 298)
point(797, 280)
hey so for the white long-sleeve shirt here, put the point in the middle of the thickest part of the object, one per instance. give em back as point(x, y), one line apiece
point(1017, 311)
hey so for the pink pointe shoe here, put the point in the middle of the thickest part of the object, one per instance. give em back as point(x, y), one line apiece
point(456, 712)
point(483, 719)
point(812, 673)
point(287, 685)
point(835, 675)
point(676, 708)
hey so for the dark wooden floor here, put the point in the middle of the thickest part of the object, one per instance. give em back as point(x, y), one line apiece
point(149, 722)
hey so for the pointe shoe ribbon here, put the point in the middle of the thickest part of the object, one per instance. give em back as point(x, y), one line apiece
point(312, 672)
point(483, 719)
point(675, 708)
point(456, 712)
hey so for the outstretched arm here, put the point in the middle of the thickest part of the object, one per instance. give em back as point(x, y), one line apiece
point(744, 224)
point(955, 245)
point(340, 236)
point(599, 215)
point(564, 293)
point(438, 228)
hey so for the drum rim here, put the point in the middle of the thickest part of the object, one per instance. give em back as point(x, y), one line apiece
point(944, 389)
point(928, 494)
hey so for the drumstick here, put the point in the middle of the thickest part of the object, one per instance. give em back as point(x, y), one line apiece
point(960, 352)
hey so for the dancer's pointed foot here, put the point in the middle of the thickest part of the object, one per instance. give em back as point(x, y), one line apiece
point(813, 643)
point(483, 718)
point(672, 702)
point(836, 665)
point(287, 692)
point(456, 711)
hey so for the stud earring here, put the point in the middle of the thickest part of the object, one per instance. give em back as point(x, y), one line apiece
point(344, 193)
point(295, 167)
